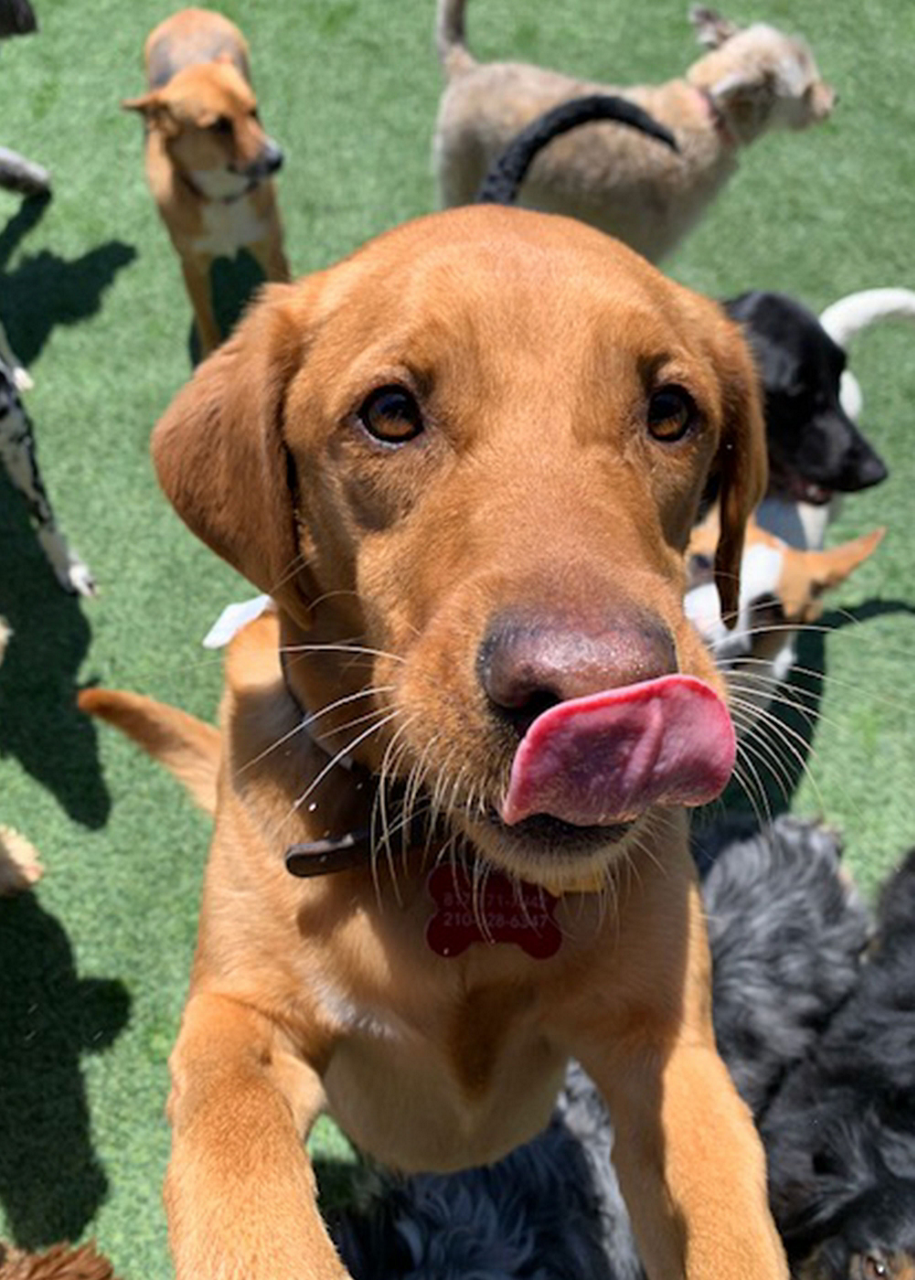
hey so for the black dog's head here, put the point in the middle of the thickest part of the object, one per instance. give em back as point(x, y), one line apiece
point(815, 448)
point(876, 1242)
point(862, 1224)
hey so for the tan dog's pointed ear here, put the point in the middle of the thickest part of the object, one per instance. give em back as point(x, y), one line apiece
point(712, 30)
point(741, 465)
point(830, 568)
point(221, 456)
point(146, 103)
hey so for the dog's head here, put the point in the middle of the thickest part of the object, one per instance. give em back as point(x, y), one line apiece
point(814, 447)
point(471, 455)
point(758, 77)
point(853, 1218)
point(207, 117)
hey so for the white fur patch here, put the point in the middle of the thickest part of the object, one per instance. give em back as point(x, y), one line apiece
point(228, 227)
point(232, 619)
point(760, 574)
point(219, 184)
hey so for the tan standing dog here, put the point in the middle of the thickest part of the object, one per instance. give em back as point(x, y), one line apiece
point(753, 80)
point(208, 160)
point(450, 845)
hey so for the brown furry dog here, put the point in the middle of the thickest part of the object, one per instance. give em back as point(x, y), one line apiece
point(753, 80)
point(208, 160)
point(465, 463)
point(58, 1263)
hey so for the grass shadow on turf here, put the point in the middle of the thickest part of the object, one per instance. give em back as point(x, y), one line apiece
point(40, 724)
point(44, 290)
point(51, 1181)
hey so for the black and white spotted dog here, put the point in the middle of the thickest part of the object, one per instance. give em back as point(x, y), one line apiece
point(17, 454)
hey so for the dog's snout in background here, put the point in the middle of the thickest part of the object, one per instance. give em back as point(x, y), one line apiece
point(527, 665)
point(273, 158)
point(815, 448)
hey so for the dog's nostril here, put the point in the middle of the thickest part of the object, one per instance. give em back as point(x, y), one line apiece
point(511, 679)
point(525, 669)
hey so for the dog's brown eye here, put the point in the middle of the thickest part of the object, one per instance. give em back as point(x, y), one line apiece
point(671, 414)
point(391, 414)
point(874, 1267)
point(222, 124)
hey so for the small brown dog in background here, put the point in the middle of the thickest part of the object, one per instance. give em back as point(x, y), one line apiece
point(752, 80)
point(208, 160)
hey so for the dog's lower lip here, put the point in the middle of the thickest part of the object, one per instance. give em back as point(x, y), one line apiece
point(558, 836)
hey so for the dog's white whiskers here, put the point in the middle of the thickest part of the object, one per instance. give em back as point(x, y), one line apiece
point(393, 753)
point(751, 784)
point(783, 733)
point(304, 725)
point(335, 760)
point(811, 715)
point(355, 650)
point(767, 756)
point(826, 678)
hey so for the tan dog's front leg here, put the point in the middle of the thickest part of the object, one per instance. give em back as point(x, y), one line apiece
point(240, 1191)
point(691, 1167)
point(197, 281)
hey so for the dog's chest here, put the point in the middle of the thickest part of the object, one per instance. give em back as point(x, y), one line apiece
point(461, 1086)
point(229, 226)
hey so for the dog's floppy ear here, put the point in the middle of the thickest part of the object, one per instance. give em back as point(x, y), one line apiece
point(741, 466)
point(712, 30)
point(221, 457)
point(154, 111)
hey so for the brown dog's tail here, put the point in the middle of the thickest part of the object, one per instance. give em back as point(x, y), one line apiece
point(186, 746)
point(503, 181)
point(450, 40)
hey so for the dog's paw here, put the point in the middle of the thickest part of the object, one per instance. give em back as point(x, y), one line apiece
point(77, 578)
point(20, 865)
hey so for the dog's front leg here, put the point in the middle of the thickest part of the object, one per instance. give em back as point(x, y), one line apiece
point(240, 1191)
point(691, 1167)
point(199, 287)
point(690, 1163)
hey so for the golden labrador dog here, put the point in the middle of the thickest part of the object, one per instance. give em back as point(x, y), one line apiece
point(450, 843)
point(209, 162)
point(752, 80)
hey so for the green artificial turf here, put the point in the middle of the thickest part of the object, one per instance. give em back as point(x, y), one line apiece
point(94, 965)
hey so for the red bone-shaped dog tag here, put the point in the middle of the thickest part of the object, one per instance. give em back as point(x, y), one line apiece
point(497, 909)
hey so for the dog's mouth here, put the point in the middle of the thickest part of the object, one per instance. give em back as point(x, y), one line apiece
point(554, 838)
point(601, 761)
point(792, 487)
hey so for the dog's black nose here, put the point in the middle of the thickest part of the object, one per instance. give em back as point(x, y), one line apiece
point(273, 158)
point(862, 469)
point(526, 665)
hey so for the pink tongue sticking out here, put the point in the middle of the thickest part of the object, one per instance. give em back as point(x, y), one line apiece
point(604, 759)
